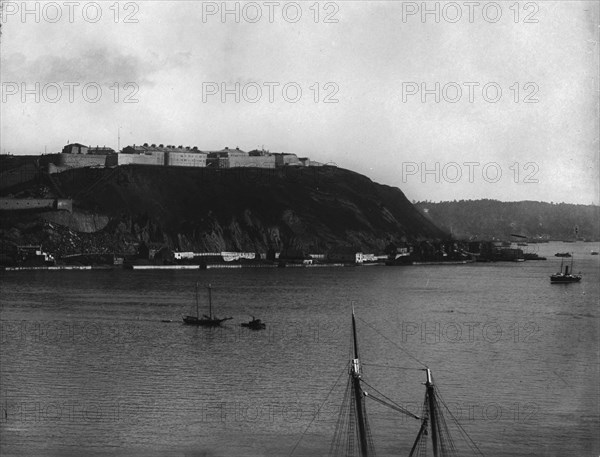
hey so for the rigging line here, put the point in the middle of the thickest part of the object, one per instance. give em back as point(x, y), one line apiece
point(340, 426)
point(463, 431)
point(389, 399)
point(445, 438)
point(345, 371)
point(389, 405)
point(370, 444)
point(392, 342)
point(390, 366)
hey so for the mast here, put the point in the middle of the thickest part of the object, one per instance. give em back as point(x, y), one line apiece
point(210, 302)
point(432, 412)
point(196, 299)
point(355, 372)
point(355, 342)
point(572, 262)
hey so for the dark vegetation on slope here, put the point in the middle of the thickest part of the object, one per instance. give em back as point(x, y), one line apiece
point(487, 219)
point(306, 209)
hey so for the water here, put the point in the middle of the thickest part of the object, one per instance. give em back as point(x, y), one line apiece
point(89, 368)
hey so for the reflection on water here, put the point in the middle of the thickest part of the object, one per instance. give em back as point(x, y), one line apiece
point(89, 368)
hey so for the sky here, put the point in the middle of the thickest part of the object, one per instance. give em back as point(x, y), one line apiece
point(445, 100)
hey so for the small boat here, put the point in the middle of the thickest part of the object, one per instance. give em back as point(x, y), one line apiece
point(254, 324)
point(532, 256)
point(206, 320)
point(565, 277)
point(562, 254)
point(594, 252)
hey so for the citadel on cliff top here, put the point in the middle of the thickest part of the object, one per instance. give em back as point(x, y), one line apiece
point(76, 155)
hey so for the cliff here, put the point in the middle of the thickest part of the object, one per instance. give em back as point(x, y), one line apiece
point(241, 209)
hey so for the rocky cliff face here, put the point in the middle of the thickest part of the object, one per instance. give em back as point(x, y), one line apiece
point(305, 209)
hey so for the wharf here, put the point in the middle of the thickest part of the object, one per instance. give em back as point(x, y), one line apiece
point(60, 267)
point(449, 262)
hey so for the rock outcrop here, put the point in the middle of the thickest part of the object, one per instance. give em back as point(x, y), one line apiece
point(241, 209)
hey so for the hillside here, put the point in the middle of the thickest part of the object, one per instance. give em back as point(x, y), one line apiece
point(308, 209)
point(487, 219)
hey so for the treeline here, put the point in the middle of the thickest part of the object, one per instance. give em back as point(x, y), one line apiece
point(493, 219)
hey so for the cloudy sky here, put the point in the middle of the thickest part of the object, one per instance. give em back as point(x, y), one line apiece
point(495, 100)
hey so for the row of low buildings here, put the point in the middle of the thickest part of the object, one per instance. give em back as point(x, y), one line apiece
point(77, 155)
point(395, 254)
point(345, 255)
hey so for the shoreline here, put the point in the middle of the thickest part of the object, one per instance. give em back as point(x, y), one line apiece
point(173, 267)
point(60, 268)
point(237, 266)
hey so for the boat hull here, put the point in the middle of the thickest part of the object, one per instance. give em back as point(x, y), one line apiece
point(254, 325)
point(203, 322)
point(564, 279)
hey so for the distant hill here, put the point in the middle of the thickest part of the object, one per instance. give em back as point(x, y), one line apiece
point(310, 209)
point(487, 219)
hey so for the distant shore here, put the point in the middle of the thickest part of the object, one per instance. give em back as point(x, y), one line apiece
point(177, 267)
point(219, 266)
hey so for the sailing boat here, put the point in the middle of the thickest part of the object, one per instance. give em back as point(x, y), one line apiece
point(566, 277)
point(205, 321)
point(352, 435)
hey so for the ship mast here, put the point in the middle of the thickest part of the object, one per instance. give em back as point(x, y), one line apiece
point(197, 300)
point(358, 394)
point(432, 412)
point(352, 432)
point(572, 262)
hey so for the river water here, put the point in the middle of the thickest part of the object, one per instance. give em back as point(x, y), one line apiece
point(88, 367)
